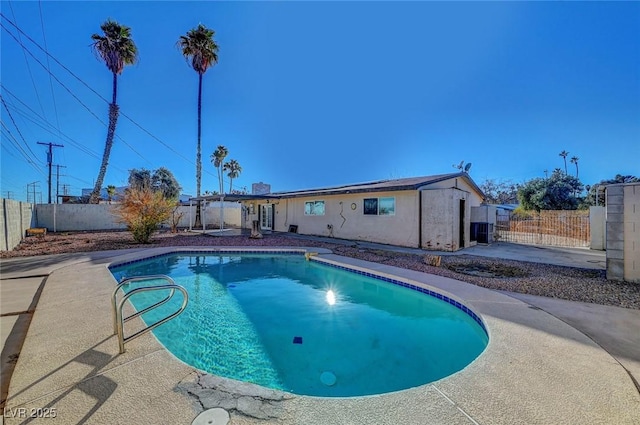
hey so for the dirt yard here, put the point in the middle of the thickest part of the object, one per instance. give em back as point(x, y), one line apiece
point(517, 276)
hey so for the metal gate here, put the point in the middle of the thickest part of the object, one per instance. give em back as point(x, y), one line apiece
point(555, 228)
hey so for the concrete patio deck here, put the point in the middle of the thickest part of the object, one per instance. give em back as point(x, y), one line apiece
point(536, 368)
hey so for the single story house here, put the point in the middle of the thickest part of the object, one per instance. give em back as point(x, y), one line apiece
point(430, 212)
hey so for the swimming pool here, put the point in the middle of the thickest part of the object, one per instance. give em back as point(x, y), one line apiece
point(307, 327)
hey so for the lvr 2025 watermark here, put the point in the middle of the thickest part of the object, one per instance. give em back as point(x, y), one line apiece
point(24, 412)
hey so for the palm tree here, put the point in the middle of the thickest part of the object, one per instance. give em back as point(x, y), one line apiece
point(199, 46)
point(117, 49)
point(574, 160)
point(111, 192)
point(217, 159)
point(234, 169)
point(564, 155)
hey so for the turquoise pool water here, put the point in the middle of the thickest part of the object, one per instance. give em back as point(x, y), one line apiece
point(304, 327)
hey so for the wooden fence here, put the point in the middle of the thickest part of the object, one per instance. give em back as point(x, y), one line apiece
point(556, 228)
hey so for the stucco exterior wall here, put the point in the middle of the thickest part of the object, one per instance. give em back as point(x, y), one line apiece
point(16, 218)
point(342, 221)
point(632, 233)
point(441, 219)
point(474, 199)
point(437, 207)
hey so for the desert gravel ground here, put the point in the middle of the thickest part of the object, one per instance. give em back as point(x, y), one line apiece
point(566, 283)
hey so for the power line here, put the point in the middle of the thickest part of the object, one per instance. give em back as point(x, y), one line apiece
point(16, 127)
point(59, 133)
point(52, 74)
point(27, 62)
point(8, 136)
point(44, 38)
point(74, 96)
point(17, 145)
point(100, 96)
point(54, 58)
point(72, 141)
point(80, 180)
point(4, 146)
point(177, 153)
point(76, 144)
point(7, 182)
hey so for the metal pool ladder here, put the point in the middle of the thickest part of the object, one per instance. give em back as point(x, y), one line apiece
point(118, 319)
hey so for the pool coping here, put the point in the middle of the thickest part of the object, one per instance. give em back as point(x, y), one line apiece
point(536, 368)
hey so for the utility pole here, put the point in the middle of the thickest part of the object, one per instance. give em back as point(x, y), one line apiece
point(34, 184)
point(8, 194)
point(65, 189)
point(58, 182)
point(50, 161)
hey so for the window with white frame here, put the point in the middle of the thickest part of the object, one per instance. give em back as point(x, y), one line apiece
point(314, 208)
point(387, 206)
point(379, 206)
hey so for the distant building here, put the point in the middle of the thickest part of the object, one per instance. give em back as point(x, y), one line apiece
point(504, 210)
point(260, 188)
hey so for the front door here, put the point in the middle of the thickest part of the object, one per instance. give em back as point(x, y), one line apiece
point(266, 217)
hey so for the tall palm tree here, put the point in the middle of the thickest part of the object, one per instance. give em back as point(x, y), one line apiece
point(117, 49)
point(217, 159)
point(564, 155)
point(574, 160)
point(199, 46)
point(234, 169)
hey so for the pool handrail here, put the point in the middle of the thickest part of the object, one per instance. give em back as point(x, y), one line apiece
point(119, 320)
point(128, 280)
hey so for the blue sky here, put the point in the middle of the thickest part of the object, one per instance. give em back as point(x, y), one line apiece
point(312, 94)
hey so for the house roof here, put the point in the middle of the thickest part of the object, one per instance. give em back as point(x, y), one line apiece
point(391, 185)
point(233, 197)
point(409, 183)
